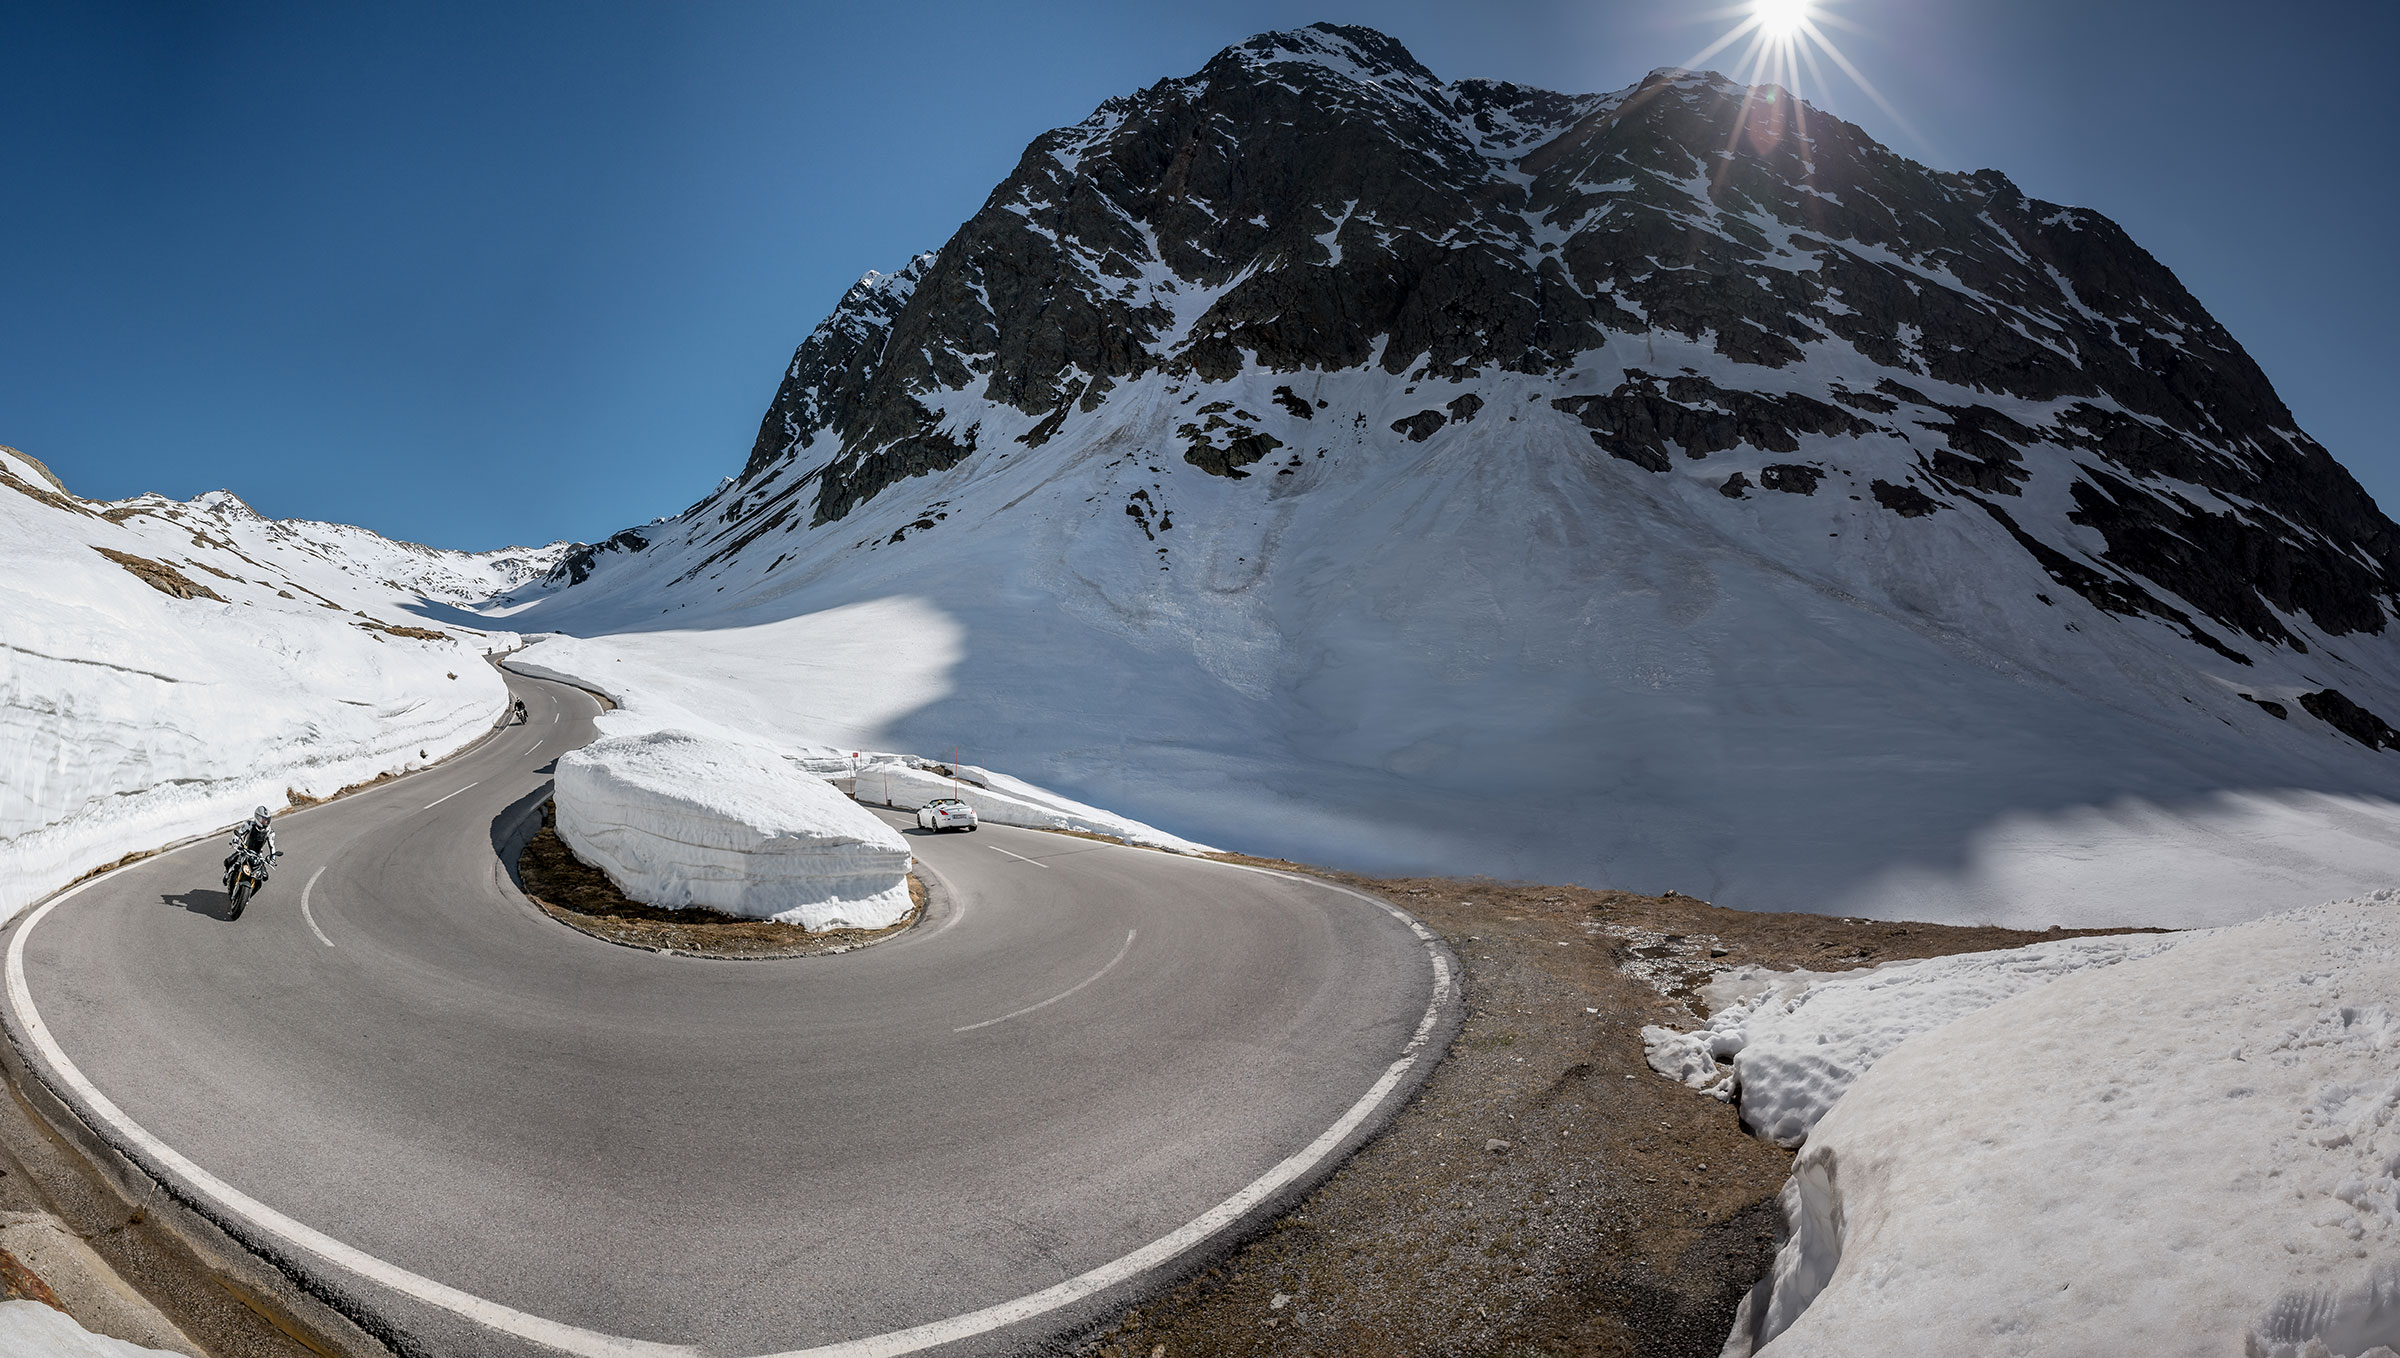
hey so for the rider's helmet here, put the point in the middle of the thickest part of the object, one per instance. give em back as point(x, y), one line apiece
point(259, 818)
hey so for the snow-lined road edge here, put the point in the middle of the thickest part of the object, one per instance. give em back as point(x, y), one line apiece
point(1076, 1303)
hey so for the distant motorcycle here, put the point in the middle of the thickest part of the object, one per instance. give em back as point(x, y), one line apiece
point(245, 877)
point(516, 712)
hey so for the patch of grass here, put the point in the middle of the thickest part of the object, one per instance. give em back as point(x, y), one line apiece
point(160, 576)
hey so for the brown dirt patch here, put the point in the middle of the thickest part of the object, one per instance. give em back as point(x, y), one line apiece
point(580, 896)
point(1626, 1215)
point(160, 576)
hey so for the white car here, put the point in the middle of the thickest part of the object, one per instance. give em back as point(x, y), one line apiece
point(946, 813)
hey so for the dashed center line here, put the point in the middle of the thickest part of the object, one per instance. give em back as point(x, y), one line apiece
point(1019, 857)
point(448, 795)
point(1112, 966)
point(310, 915)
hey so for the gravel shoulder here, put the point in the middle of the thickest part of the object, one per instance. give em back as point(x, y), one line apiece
point(1546, 1193)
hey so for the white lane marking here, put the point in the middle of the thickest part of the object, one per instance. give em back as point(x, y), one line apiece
point(536, 745)
point(1166, 1247)
point(589, 1344)
point(1019, 857)
point(1112, 966)
point(448, 795)
point(311, 915)
point(554, 719)
point(506, 1319)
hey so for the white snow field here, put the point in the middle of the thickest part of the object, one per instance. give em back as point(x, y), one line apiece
point(823, 688)
point(2195, 1151)
point(1500, 651)
point(680, 820)
point(282, 660)
point(1786, 1044)
point(29, 1329)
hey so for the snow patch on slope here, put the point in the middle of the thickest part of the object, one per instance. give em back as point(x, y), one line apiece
point(258, 668)
point(2199, 1144)
point(1788, 1044)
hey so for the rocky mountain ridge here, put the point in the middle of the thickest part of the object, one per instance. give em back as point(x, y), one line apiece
point(1313, 359)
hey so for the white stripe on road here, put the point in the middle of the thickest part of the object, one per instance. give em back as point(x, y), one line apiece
point(506, 1319)
point(536, 745)
point(311, 915)
point(591, 1344)
point(1019, 857)
point(1112, 966)
point(1167, 1247)
point(448, 795)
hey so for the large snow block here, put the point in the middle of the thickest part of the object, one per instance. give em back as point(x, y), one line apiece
point(680, 820)
point(2193, 1152)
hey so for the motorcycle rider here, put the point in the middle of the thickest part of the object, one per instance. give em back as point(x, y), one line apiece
point(257, 836)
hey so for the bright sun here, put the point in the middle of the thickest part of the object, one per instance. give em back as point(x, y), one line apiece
point(1781, 18)
point(1782, 40)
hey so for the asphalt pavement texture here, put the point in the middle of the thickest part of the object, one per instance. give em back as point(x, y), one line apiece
point(1082, 1048)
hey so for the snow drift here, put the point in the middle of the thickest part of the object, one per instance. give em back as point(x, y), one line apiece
point(1786, 1044)
point(30, 1329)
point(677, 819)
point(815, 689)
point(2159, 1155)
point(164, 667)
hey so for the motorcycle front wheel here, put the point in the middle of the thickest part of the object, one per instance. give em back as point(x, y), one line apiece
point(241, 897)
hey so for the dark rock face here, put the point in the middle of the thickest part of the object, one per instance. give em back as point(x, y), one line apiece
point(1317, 202)
point(2337, 711)
point(1906, 501)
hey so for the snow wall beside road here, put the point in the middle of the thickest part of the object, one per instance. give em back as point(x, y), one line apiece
point(132, 716)
point(679, 820)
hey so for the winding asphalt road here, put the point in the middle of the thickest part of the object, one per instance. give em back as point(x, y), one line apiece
point(485, 1133)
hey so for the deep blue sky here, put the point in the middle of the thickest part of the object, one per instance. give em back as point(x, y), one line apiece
point(479, 274)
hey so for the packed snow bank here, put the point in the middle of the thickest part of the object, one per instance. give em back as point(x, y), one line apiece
point(1787, 1044)
point(1001, 800)
point(677, 819)
point(823, 688)
point(2158, 1155)
point(29, 1329)
point(164, 667)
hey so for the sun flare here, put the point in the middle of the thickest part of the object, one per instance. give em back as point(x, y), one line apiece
point(1781, 18)
point(1786, 38)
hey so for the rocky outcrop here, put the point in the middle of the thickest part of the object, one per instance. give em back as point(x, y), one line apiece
point(1317, 201)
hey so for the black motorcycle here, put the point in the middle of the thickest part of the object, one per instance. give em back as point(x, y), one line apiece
point(245, 877)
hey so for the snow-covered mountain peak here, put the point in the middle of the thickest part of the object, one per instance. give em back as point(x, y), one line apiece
point(1394, 429)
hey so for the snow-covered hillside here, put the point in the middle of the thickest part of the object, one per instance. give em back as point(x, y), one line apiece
point(1668, 488)
point(2188, 1146)
point(165, 666)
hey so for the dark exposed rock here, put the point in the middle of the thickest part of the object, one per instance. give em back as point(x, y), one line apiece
point(1642, 416)
point(576, 566)
point(1299, 408)
point(2334, 709)
point(1420, 426)
point(1230, 459)
point(2272, 708)
point(1734, 487)
point(1462, 408)
point(1790, 478)
point(1906, 501)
